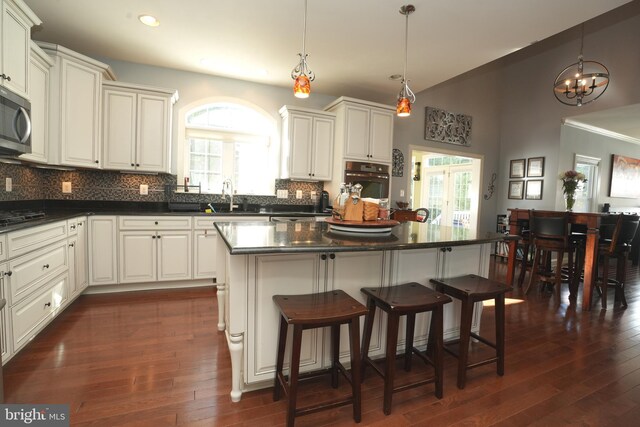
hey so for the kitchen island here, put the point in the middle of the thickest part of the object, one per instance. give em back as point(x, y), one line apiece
point(264, 259)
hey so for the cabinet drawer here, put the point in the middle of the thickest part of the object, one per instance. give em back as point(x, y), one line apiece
point(23, 241)
point(154, 223)
point(203, 223)
point(30, 271)
point(3, 247)
point(32, 314)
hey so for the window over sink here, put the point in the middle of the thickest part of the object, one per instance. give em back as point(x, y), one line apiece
point(230, 140)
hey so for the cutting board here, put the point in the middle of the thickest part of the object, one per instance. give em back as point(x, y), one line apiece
point(354, 212)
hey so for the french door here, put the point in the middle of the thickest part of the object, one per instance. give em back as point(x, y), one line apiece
point(447, 192)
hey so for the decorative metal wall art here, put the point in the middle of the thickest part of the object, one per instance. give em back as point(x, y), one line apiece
point(398, 163)
point(451, 128)
point(492, 187)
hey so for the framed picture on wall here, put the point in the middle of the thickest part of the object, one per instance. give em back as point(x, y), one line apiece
point(516, 168)
point(534, 189)
point(516, 189)
point(535, 167)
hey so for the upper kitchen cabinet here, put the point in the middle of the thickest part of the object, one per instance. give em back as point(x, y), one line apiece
point(364, 130)
point(307, 143)
point(39, 89)
point(136, 127)
point(15, 23)
point(75, 105)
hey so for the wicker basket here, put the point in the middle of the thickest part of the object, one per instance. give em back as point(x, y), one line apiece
point(370, 211)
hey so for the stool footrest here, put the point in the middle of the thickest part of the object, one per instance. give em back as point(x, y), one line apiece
point(482, 363)
point(322, 406)
point(483, 340)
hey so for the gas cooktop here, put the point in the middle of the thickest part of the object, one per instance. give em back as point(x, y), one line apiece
point(19, 216)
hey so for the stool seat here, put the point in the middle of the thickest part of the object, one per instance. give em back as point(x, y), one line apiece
point(406, 299)
point(333, 309)
point(470, 289)
point(329, 307)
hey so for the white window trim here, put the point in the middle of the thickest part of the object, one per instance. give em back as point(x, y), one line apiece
point(595, 183)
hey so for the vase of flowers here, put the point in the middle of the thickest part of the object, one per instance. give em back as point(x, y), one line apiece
point(570, 181)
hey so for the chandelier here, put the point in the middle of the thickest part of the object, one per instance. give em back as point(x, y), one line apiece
point(302, 74)
point(406, 97)
point(582, 82)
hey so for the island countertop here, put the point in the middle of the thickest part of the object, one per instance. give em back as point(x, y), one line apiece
point(242, 238)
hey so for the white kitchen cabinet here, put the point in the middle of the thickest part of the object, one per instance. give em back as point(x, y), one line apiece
point(77, 249)
point(137, 127)
point(364, 130)
point(75, 107)
point(15, 23)
point(103, 250)
point(138, 256)
point(307, 143)
point(39, 88)
point(174, 255)
point(204, 253)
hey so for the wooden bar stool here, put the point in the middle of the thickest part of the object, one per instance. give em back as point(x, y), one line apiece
point(407, 299)
point(310, 311)
point(469, 290)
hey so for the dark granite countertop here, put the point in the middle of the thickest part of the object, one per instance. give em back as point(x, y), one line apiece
point(266, 238)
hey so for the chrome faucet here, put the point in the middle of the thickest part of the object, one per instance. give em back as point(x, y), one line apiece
point(227, 190)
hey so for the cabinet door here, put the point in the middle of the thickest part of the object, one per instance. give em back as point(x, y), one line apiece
point(204, 254)
point(81, 276)
point(80, 103)
point(174, 255)
point(6, 342)
point(39, 94)
point(138, 256)
point(103, 256)
point(381, 143)
point(16, 34)
point(152, 133)
point(357, 133)
point(119, 130)
point(300, 136)
point(72, 256)
point(272, 275)
point(351, 272)
point(322, 156)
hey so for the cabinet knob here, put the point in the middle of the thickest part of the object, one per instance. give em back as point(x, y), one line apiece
point(71, 245)
point(97, 162)
point(5, 77)
point(449, 249)
point(47, 304)
point(159, 237)
point(133, 164)
point(153, 237)
point(156, 222)
point(45, 266)
point(323, 257)
point(8, 273)
point(138, 164)
point(313, 174)
point(73, 227)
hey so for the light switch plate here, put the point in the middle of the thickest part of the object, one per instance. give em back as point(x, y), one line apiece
point(401, 193)
point(66, 187)
point(282, 194)
point(298, 194)
point(9, 184)
point(144, 189)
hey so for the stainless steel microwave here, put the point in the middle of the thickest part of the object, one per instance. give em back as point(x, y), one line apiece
point(15, 124)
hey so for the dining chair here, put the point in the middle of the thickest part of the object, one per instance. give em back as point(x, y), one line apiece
point(550, 233)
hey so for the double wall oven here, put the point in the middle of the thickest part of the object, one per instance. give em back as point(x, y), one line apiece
point(373, 177)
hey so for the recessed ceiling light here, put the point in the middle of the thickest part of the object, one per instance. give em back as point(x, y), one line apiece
point(149, 20)
point(395, 77)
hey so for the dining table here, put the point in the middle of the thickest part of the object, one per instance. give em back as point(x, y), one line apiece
point(519, 217)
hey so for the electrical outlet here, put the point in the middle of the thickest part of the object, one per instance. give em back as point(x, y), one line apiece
point(9, 184)
point(144, 189)
point(298, 194)
point(66, 187)
point(401, 193)
point(313, 195)
point(282, 194)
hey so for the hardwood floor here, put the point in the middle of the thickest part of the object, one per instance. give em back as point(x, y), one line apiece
point(157, 359)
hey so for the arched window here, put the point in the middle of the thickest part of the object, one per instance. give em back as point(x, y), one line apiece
point(226, 140)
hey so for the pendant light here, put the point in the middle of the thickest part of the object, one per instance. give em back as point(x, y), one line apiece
point(406, 97)
point(582, 82)
point(301, 74)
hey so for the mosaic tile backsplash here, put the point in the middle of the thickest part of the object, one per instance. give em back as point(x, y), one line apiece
point(32, 183)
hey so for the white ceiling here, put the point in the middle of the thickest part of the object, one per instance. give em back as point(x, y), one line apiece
point(353, 45)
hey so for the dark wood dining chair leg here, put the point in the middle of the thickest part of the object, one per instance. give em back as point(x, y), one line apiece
point(558, 278)
point(335, 354)
point(366, 334)
point(282, 342)
point(499, 320)
point(524, 264)
point(622, 279)
point(436, 333)
point(390, 362)
point(465, 335)
point(534, 270)
point(408, 349)
point(604, 284)
point(294, 369)
point(356, 370)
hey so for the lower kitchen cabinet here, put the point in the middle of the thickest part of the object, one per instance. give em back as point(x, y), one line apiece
point(103, 247)
point(204, 254)
point(174, 255)
point(6, 342)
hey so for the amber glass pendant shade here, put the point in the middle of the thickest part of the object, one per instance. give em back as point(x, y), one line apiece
point(403, 109)
point(302, 87)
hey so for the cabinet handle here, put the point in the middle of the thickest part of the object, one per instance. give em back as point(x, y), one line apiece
point(159, 237)
point(97, 162)
point(323, 257)
point(5, 77)
point(449, 249)
point(79, 224)
point(8, 273)
point(73, 227)
point(132, 164)
point(47, 304)
point(153, 237)
point(138, 164)
point(443, 249)
point(45, 266)
point(332, 256)
point(156, 222)
point(71, 245)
